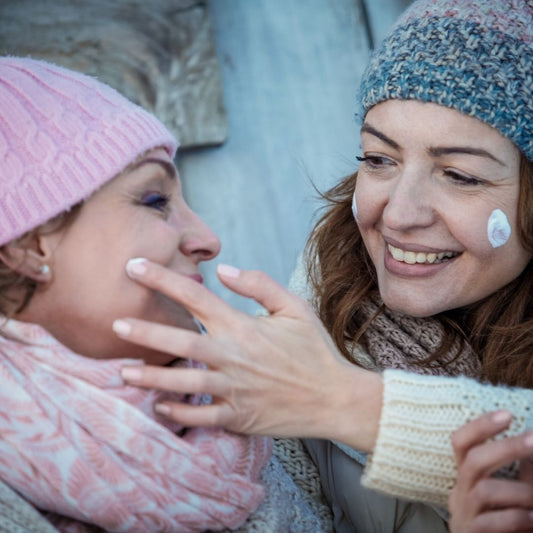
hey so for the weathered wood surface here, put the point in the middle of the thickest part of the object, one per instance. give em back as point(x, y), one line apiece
point(159, 53)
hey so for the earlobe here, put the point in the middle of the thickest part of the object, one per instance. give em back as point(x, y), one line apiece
point(28, 259)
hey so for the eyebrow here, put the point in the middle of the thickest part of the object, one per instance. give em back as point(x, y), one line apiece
point(169, 168)
point(434, 151)
point(470, 150)
point(367, 128)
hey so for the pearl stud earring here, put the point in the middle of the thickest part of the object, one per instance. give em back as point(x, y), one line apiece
point(44, 270)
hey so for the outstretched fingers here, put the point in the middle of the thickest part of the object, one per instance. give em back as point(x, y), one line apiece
point(175, 379)
point(196, 416)
point(260, 287)
point(478, 431)
point(172, 340)
point(201, 302)
point(484, 460)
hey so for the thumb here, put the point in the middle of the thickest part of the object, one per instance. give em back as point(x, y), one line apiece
point(260, 287)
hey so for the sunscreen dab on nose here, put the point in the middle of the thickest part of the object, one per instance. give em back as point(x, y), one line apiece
point(498, 228)
point(354, 207)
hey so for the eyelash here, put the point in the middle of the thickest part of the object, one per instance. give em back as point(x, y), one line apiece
point(155, 200)
point(375, 162)
point(461, 179)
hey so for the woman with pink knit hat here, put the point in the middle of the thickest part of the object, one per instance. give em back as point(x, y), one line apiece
point(87, 182)
point(421, 274)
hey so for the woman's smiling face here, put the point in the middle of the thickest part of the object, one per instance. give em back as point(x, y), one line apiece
point(430, 179)
point(140, 213)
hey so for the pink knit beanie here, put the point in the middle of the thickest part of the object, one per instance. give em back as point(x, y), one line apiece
point(62, 136)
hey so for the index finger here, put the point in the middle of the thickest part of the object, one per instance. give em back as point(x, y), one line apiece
point(197, 299)
point(485, 459)
point(478, 431)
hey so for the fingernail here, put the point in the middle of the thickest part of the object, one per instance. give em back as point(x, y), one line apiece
point(162, 409)
point(499, 417)
point(528, 441)
point(130, 373)
point(136, 266)
point(122, 328)
point(228, 271)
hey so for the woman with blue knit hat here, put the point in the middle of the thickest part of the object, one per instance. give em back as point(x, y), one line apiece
point(420, 272)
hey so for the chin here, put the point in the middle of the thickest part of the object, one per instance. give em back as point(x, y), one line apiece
point(414, 309)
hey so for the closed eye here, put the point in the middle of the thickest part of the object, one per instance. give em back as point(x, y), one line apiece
point(155, 200)
point(462, 179)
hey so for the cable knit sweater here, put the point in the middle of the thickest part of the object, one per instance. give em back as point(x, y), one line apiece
point(413, 457)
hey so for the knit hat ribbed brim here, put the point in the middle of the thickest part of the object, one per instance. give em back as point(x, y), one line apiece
point(62, 136)
point(475, 56)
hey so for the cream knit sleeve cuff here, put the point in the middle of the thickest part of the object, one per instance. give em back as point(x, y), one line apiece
point(413, 456)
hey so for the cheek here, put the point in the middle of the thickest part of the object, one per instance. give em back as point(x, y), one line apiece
point(367, 204)
point(485, 234)
point(157, 241)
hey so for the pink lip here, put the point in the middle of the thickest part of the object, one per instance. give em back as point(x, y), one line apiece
point(197, 277)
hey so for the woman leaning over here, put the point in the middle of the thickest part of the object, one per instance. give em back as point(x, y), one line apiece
point(420, 270)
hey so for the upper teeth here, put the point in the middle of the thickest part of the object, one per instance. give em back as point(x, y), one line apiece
point(419, 257)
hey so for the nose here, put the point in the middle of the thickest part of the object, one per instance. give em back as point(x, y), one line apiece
point(410, 201)
point(198, 240)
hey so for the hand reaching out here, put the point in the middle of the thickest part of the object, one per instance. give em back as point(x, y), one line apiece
point(278, 375)
point(480, 503)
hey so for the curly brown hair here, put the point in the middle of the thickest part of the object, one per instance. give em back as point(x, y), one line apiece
point(499, 328)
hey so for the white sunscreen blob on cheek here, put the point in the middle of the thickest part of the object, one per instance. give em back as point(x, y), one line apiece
point(354, 206)
point(498, 228)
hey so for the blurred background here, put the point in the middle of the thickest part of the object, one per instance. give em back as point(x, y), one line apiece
point(261, 94)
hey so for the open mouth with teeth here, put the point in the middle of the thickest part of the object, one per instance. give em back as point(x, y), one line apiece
point(412, 258)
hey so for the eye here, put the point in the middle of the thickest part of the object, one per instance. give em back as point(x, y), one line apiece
point(155, 200)
point(375, 161)
point(462, 179)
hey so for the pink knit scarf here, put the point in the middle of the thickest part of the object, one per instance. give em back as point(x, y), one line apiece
point(76, 442)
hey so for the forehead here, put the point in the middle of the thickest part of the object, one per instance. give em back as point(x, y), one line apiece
point(411, 119)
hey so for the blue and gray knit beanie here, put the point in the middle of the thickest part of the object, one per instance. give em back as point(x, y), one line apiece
point(475, 56)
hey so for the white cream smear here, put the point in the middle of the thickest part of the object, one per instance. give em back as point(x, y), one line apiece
point(498, 228)
point(354, 206)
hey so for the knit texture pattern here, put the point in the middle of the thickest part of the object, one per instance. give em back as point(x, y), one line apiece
point(62, 136)
point(396, 340)
point(472, 56)
point(413, 457)
point(78, 443)
point(18, 516)
point(293, 502)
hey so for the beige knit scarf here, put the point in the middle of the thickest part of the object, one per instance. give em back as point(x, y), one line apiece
point(396, 340)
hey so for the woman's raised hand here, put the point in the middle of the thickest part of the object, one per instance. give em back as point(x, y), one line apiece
point(277, 375)
point(480, 503)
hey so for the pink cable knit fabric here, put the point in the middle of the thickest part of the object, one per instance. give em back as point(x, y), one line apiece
point(76, 442)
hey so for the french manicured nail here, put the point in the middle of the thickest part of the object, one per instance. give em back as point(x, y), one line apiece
point(130, 373)
point(162, 409)
point(499, 417)
point(228, 271)
point(122, 328)
point(136, 266)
